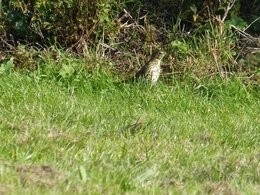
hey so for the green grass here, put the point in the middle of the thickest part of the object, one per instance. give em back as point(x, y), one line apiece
point(98, 137)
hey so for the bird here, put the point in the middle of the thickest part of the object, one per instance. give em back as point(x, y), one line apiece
point(152, 69)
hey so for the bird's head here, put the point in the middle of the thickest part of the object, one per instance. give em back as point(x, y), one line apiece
point(160, 54)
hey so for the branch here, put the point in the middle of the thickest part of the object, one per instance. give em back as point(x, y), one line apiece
point(229, 7)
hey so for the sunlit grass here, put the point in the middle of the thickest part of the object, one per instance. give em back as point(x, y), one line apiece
point(99, 137)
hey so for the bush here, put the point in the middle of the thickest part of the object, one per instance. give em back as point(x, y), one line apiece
point(65, 22)
point(136, 26)
point(62, 22)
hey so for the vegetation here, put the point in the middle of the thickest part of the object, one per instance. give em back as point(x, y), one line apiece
point(100, 137)
point(202, 38)
point(69, 125)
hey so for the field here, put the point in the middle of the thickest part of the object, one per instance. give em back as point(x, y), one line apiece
point(99, 136)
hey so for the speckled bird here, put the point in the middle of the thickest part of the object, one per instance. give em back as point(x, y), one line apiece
point(152, 69)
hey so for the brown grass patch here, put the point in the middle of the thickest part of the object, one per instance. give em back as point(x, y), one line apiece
point(220, 188)
point(40, 175)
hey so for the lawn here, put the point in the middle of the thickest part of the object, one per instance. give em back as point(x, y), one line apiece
point(99, 137)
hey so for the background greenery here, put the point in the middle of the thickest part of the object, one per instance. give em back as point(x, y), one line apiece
point(197, 34)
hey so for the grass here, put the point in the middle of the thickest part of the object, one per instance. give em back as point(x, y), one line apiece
point(97, 137)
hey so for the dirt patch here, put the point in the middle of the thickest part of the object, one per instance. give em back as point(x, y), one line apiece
point(54, 134)
point(40, 175)
point(206, 137)
point(170, 182)
point(220, 188)
point(5, 189)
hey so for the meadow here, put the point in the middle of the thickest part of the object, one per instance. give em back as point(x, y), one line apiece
point(69, 125)
point(96, 136)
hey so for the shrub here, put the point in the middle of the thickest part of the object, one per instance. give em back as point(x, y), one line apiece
point(128, 31)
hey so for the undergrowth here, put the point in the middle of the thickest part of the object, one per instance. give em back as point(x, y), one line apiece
point(201, 38)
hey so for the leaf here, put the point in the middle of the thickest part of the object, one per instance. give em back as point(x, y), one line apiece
point(193, 8)
point(180, 45)
point(66, 71)
point(83, 173)
point(145, 175)
point(195, 16)
point(237, 22)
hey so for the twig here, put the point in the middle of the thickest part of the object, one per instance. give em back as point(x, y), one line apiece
point(137, 59)
point(251, 23)
point(128, 15)
point(244, 34)
point(108, 46)
point(9, 45)
point(229, 7)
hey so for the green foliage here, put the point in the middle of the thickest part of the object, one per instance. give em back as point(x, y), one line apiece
point(127, 32)
point(213, 54)
point(180, 47)
point(63, 22)
point(7, 67)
